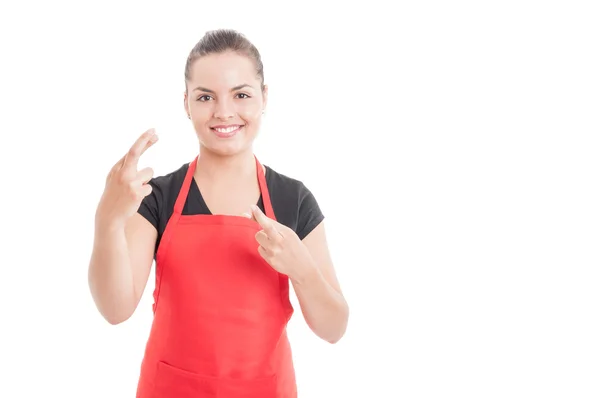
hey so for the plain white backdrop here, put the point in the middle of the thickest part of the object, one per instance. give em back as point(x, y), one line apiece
point(453, 147)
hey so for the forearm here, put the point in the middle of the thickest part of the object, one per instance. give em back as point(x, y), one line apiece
point(324, 309)
point(110, 274)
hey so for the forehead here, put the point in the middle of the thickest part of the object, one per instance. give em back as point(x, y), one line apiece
point(224, 70)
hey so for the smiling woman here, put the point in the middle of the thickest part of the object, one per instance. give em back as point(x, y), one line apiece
point(225, 93)
point(228, 235)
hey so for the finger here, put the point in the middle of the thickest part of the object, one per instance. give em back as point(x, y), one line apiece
point(146, 190)
point(145, 175)
point(259, 216)
point(263, 253)
point(263, 239)
point(265, 222)
point(116, 167)
point(140, 146)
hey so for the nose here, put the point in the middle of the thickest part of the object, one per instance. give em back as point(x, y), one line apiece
point(224, 110)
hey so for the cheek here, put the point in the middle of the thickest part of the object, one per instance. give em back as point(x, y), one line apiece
point(201, 111)
point(250, 112)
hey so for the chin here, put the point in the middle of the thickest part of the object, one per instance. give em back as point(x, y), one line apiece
point(228, 146)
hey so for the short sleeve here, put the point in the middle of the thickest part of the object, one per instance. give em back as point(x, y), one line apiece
point(309, 213)
point(151, 205)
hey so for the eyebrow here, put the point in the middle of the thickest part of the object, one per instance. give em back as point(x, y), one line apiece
point(241, 86)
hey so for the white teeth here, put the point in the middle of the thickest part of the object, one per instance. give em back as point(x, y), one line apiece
point(227, 130)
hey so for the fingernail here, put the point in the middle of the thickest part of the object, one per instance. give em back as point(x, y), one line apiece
point(247, 215)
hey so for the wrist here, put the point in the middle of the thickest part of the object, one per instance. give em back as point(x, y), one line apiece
point(306, 275)
point(106, 225)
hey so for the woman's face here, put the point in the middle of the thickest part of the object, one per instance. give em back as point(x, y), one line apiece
point(225, 102)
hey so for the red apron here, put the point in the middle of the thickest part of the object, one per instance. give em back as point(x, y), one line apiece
point(220, 311)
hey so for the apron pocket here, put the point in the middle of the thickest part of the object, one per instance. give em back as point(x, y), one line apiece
point(173, 382)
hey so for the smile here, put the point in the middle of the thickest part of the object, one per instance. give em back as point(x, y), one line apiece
point(226, 131)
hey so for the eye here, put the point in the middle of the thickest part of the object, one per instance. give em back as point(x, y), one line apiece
point(244, 95)
point(203, 98)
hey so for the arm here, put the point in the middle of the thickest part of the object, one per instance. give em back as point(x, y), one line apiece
point(120, 266)
point(308, 265)
point(124, 240)
point(322, 303)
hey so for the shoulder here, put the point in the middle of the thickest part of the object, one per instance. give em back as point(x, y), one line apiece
point(282, 184)
point(293, 202)
point(166, 187)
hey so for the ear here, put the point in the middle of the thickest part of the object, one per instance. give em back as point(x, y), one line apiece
point(186, 105)
point(265, 96)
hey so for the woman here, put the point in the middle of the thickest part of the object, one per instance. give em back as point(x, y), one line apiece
point(228, 235)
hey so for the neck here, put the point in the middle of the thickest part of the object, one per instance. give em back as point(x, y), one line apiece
point(211, 165)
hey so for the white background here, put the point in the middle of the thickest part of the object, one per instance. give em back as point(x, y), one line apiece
point(453, 147)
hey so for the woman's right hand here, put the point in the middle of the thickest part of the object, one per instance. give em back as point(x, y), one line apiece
point(126, 187)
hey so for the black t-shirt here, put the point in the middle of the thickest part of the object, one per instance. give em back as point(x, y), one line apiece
point(293, 203)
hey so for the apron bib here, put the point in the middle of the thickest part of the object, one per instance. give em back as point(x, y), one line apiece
point(220, 310)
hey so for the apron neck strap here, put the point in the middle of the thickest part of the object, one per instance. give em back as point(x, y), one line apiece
point(264, 190)
point(185, 187)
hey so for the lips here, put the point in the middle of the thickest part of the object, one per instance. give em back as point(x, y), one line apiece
point(226, 131)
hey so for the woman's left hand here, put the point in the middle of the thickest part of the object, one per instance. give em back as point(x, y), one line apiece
point(281, 247)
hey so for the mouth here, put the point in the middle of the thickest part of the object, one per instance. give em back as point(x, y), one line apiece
point(226, 131)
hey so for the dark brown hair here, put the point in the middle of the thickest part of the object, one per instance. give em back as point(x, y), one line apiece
point(220, 41)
